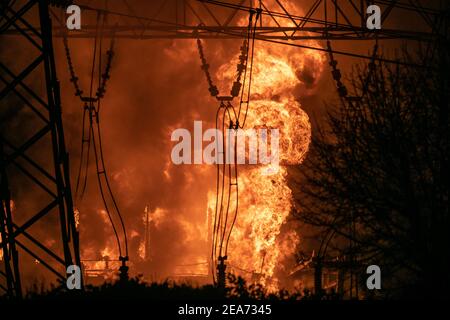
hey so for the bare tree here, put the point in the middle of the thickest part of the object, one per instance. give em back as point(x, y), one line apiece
point(376, 178)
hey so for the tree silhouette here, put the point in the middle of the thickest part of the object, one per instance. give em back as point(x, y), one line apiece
point(376, 178)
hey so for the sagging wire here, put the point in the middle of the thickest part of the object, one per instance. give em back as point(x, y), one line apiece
point(265, 12)
point(223, 206)
point(91, 135)
point(247, 101)
point(228, 120)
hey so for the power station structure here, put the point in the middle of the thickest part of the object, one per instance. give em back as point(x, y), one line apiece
point(31, 130)
point(21, 156)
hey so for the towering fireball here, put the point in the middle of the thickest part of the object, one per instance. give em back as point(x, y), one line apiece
point(265, 201)
point(257, 244)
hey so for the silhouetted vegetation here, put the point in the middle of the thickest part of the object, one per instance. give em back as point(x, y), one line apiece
point(376, 179)
point(237, 289)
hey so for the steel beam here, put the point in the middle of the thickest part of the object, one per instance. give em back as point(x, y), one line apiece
point(44, 106)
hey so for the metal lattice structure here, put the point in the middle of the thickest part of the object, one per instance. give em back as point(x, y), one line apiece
point(322, 20)
point(21, 156)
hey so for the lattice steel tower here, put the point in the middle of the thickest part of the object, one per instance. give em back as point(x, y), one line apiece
point(38, 222)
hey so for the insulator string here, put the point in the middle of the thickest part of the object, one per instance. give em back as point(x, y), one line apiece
point(92, 136)
point(226, 172)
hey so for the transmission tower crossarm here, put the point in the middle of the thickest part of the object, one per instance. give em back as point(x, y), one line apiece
point(348, 22)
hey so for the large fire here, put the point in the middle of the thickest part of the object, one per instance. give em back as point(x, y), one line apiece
point(265, 201)
point(257, 244)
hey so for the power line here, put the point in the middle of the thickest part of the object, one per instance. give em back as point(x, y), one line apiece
point(257, 36)
point(228, 118)
point(92, 105)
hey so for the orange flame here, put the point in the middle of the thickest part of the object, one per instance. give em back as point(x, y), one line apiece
point(265, 201)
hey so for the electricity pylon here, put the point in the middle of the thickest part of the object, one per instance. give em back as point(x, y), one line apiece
point(30, 106)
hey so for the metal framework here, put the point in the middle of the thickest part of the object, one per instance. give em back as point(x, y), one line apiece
point(323, 20)
point(19, 161)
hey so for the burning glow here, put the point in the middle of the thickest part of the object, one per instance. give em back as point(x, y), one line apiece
point(257, 243)
point(76, 214)
point(12, 207)
point(105, 266)
point(100, 262)
point(149, 219)
point(265, 201)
